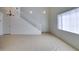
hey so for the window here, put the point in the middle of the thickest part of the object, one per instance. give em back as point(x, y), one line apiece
point(69, 21)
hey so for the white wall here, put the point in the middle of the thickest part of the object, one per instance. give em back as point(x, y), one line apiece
point(1, 23)
point(37, 16)
point(6, 21)
point(72, 39)
point(6, 24)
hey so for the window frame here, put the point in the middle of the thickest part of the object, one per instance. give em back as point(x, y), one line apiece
point(60, 26)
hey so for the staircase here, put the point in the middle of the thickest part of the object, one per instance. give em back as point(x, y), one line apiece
point(35, 24)
point(20, 25)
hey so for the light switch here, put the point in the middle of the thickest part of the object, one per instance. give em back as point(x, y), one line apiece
point(30, 12)
point(44, 12)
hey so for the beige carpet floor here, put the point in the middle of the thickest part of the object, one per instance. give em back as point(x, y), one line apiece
point(44, 42)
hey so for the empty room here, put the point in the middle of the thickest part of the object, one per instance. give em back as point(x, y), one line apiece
point(39, 29)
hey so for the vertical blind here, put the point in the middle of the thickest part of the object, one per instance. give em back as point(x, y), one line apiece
point(69, 21)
